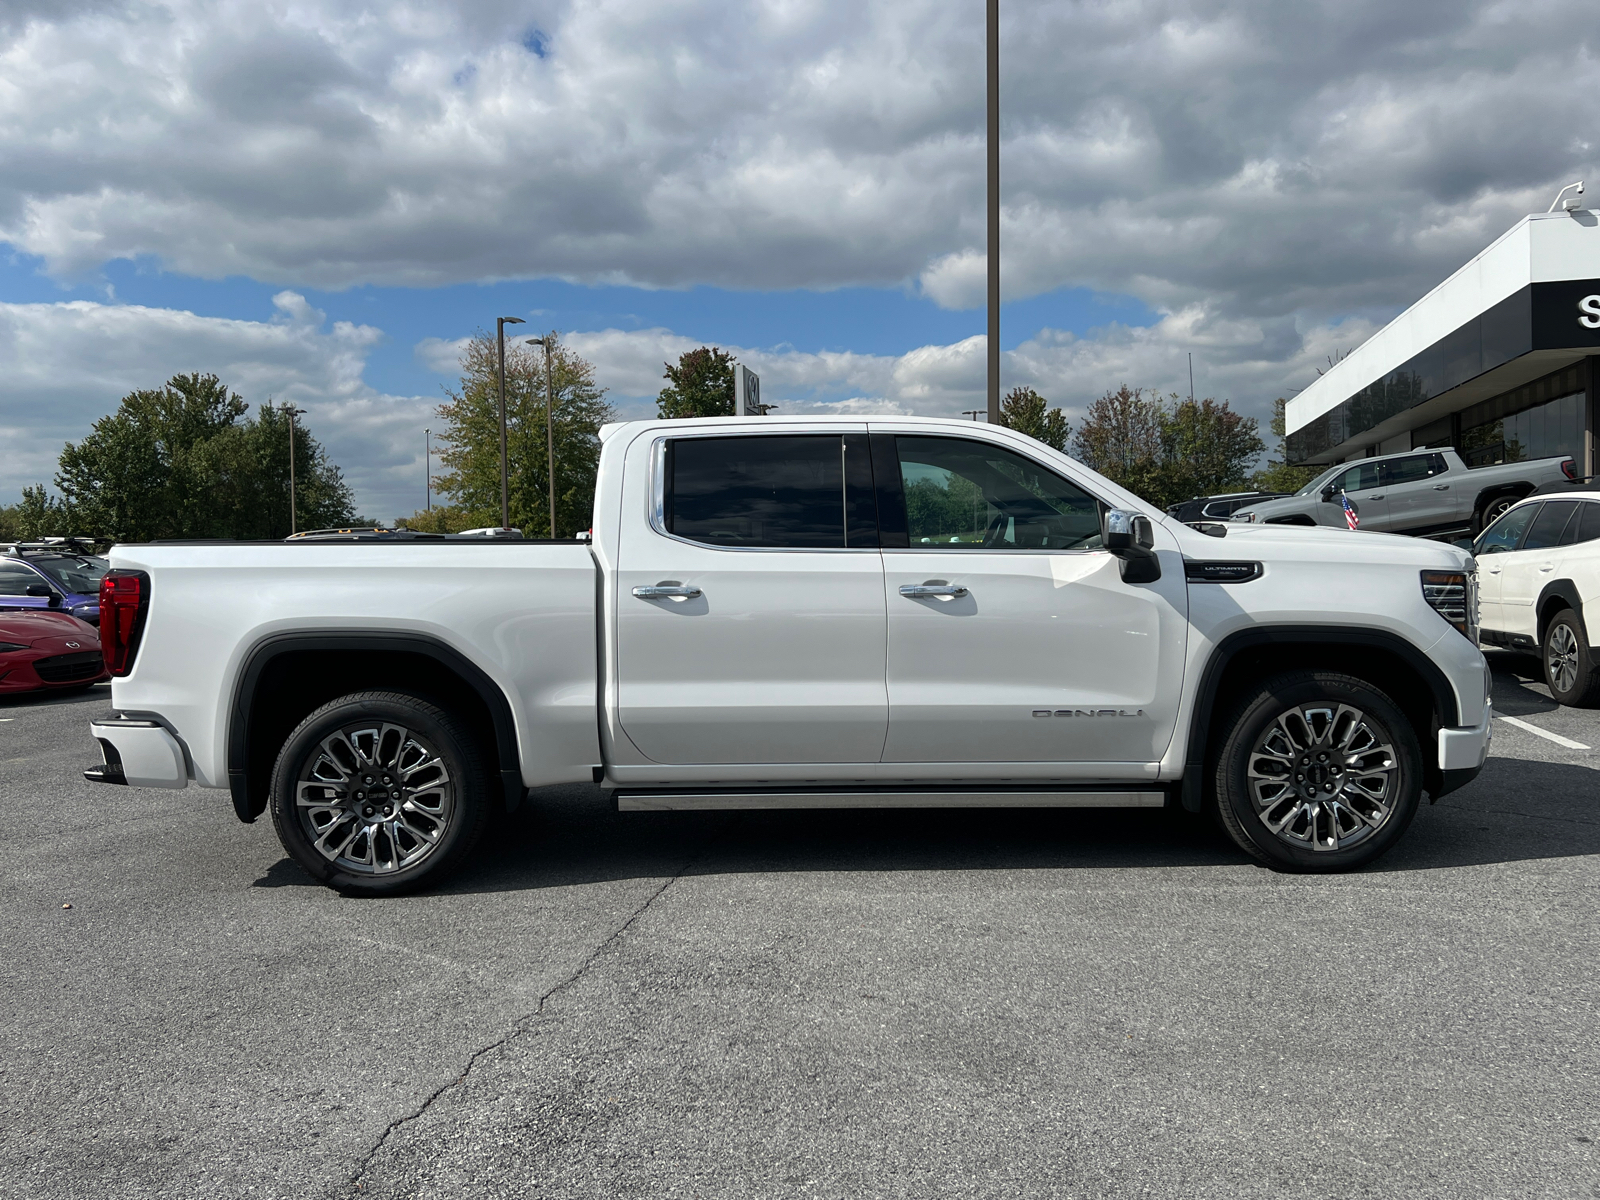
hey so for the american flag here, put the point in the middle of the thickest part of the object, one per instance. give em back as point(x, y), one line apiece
point(1350, 517)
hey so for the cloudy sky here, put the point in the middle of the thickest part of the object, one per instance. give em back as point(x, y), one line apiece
point(316, 200)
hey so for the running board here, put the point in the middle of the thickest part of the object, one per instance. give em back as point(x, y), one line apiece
point(688, 801)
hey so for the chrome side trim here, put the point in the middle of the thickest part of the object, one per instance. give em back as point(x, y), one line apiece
point(710, 801)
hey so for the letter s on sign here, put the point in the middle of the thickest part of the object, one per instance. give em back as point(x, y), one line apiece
point(1589, 306)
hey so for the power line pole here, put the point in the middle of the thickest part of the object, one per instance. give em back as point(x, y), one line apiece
point(1191, 377)
point(993, 141)
point(500, 324)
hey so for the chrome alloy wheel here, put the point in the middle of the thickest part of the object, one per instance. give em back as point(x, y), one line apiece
point(374, 799)
point(1322, 778)
point(1561, 657)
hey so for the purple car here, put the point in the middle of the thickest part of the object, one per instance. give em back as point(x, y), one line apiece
point(51, 577)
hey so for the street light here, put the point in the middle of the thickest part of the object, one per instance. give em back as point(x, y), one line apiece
point(549, 422)
point(293, 413)
point(974, 413)
point(992, 28)
point(500, 324)
point(427, 466)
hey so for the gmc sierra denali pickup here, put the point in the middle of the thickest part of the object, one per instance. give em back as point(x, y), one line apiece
point(804, 613)
point(1422, 492)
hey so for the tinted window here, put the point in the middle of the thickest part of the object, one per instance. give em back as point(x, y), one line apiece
point(1589, 522)
point(16, 579)
point(971, 495)
point(1505, 533)
point(1410, 470)
point(757, 490)
point(1357, 479)
point(1549, 525)
point(75, 574)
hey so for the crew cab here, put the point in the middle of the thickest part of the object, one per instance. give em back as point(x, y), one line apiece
point(1420, 493)
point(804, 613)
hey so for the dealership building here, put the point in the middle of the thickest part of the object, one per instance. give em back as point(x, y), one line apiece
point(1501, 361)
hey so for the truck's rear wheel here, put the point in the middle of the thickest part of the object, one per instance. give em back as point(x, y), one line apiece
point(1490, 511)
point(379, 792)
point(1320, 772)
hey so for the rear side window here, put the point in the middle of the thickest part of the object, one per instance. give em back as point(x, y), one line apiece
point(1550, 524)
point(1410, 470)
point(1505, 533)
point(774, 490)
point(1588, 522)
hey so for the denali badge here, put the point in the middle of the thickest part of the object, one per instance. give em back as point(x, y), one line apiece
point(1088, 712)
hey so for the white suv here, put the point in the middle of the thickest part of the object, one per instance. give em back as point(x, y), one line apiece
point(1538, 569)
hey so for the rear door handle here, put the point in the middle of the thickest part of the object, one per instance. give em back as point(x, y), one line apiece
point(666, 591)
point(932, 589)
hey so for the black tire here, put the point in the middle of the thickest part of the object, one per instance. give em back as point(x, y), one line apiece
point(1568, 666)
point(1490, 511)
point(1376, 738)
point(394, 778)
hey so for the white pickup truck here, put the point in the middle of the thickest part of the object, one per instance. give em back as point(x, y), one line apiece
point(804, 613)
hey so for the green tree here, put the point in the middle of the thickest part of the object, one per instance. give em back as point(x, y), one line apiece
point(1278, 475)
point(701, 385)
point(1024, 410)
point(37, 515)
point(1166, 449)
point(177, 461)
point(471, 454)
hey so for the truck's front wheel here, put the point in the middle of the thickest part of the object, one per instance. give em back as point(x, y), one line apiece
point(379, 792)
point(1320, 772)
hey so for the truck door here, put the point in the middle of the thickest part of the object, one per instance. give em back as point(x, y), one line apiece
point(1421, 498)
point(1012, 637)
point(749, 606)
point(1362, 484)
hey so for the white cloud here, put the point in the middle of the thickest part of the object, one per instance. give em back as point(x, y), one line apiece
point(69, 363)
point(1254, 156)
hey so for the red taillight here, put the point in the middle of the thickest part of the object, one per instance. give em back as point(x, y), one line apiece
point(1569, 468)
point(124, 599)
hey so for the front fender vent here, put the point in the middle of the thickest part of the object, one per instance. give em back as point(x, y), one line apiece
point(1199, 571)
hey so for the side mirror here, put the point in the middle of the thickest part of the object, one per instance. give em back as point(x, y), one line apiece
point(1132, 538)
point(39, 589)
point(1328, 493)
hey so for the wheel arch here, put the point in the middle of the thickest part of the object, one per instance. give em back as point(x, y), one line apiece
point(1557, 594)
point(287, 676)
point(1518, 491)
point(1378, 656)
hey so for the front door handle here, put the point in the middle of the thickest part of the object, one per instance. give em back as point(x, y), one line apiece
point(1441, 487)
point(1379, 496)
point(1547, 566)
point(666, 591)
point(932, 589)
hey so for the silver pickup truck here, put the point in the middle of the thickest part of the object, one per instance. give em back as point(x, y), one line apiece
point(1420, 492)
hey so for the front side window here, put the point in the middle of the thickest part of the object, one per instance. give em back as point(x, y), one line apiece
point(1550, 524)
point(16, 579)
point(1357, 479)
point(1505, 533)
point(759, 490)
point(966, 495)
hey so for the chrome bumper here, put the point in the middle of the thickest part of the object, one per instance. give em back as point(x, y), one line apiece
point(139, 753)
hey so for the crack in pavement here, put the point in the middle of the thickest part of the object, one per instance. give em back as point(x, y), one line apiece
point(522, 1024)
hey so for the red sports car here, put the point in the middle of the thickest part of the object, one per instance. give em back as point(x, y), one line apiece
point(48, 651)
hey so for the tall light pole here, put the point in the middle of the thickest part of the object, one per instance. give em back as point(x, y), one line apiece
point(427, 466)
point(549, 422)
point(500, 324)
point(293, 413)
point(993, 141)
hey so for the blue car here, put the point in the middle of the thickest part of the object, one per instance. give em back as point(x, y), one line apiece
point(51, 577)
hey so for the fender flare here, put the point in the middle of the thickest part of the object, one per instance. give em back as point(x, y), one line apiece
point(1557, 589)
point(249, 807)
point(1194, 766)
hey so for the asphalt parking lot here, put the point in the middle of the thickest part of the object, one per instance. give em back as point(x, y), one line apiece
point(1067, 1004)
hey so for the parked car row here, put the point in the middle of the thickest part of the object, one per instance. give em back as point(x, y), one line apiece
point(58, 573)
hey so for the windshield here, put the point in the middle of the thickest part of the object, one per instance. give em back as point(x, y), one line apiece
point(1316, 484)
point(80, 575)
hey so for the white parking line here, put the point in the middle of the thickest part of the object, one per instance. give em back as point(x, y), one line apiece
point(1544, 733)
